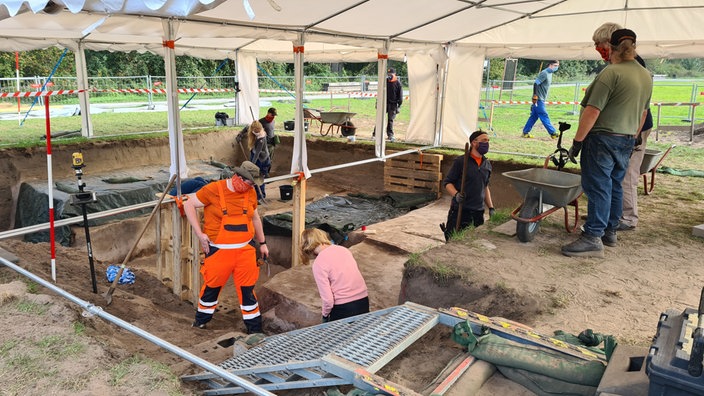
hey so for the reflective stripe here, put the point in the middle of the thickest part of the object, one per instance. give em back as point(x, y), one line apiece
point(230, 245)
point(249, 308)
point(208, 303)
point(250, 316)
point(206, 311)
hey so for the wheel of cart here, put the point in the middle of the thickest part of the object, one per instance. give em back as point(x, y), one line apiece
point(337, 119)
point(543, 186)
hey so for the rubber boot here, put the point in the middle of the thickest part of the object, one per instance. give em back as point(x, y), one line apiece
point(609, 238)
point(585, 246)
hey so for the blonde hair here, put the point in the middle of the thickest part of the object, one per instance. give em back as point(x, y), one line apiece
point(254, 128)
point(311, 238)
point(602, 34)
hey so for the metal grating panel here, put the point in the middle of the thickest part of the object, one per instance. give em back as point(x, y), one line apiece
point(296, 359)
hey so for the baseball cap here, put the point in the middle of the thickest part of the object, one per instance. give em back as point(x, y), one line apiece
point(391, 70)
point(622, 34)
point(272, 111)
point(249, 171)
point(475, 135)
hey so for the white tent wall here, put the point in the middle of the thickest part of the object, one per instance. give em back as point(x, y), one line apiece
point(461, 101)
point(424, 84)
point(248, 97)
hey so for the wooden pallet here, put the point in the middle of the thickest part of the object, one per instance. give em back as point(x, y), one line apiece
point(414, 173)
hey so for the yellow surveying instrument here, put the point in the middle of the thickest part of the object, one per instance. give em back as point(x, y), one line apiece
point(83, 197)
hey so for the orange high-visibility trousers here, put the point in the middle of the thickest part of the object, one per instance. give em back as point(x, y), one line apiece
point(216, 270)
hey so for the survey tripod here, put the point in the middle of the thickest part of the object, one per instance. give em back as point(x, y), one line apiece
point(84, 197)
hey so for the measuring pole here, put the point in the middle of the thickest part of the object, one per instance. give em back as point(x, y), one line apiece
point(52, 238)
point(83, 198)
point(17, 72)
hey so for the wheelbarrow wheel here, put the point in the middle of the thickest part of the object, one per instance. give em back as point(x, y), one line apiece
point(531, 208)
point(348, 129)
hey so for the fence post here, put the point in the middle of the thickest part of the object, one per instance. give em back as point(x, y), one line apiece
point(150, 102)
point(657, 123)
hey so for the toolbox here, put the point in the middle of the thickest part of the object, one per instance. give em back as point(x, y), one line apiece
point(668, 357)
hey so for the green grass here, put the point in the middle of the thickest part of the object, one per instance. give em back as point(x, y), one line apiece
point(506, 144)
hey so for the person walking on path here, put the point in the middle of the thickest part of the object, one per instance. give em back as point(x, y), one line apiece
point(629, 217)
point(541, 87)
point(342, 289)
point(259, 154)
point(614, 109)
point(231, 225)
point(476, 180)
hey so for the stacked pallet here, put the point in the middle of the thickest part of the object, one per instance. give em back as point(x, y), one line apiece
point(414, 172)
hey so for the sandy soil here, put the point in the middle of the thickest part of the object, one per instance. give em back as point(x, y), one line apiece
point(654, 268)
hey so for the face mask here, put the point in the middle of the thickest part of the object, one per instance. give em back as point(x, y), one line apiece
point(603, 52)
point(483, 147)
point(555, 69)
point(269, 117)
point(239, 185)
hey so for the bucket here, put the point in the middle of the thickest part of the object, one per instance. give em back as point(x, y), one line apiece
point(286, 192)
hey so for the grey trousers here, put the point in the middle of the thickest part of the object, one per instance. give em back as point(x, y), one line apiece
point(630, 183)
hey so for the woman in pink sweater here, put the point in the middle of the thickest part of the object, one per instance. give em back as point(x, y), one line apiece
point(341, 286)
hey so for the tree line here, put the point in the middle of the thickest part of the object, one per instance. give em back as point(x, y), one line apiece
point(120, 64)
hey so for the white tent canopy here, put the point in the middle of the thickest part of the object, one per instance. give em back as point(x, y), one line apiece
point(444, 41)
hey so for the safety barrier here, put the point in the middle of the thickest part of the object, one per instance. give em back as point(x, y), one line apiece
point(658, 115)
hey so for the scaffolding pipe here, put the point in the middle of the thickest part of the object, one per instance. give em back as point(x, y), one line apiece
point(78, 219)
point(98, 311)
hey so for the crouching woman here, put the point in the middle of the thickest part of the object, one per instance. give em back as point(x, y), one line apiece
point(341, 286)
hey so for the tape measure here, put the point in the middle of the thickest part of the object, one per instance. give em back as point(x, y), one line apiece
point(525, 333)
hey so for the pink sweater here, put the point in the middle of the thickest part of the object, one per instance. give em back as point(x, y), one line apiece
point(338, 278)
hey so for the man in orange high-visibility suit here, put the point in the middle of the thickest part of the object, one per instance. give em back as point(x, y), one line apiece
point(231, 224)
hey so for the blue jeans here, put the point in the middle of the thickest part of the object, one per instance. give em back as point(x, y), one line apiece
point(604, 162)
point(538, 112)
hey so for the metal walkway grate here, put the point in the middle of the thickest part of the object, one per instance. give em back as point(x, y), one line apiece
point(326, 354)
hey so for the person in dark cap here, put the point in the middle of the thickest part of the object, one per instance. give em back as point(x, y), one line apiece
point(394, 99)
point(476, 193)
point(268, 123)
point(614, 109)
point(231, 228)
point(629, 216)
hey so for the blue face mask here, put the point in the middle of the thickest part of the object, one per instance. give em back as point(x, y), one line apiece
point(483, 147)
point(553, 69)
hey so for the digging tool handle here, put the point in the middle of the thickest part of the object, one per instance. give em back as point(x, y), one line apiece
point(464, 172)
point(111, 290)
point(694, 368)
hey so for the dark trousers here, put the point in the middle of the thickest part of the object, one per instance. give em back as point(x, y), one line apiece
point(390, 125)
point(469, 217)
point(351, 308)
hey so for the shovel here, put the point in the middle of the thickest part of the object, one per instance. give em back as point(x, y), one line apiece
point(111, 290)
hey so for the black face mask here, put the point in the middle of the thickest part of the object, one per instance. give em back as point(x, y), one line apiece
point(389, 77)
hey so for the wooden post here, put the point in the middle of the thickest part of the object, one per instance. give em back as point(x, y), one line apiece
point(299, 220)
point(177, 238)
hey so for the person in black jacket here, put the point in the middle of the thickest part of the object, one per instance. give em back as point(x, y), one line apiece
point(476, 186)
point(394, 99)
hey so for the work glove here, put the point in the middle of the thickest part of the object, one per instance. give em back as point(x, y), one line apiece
point(492, 212)
point(459, 197)
point(535, 100)
point(326, 319)
point(574, 151)
point(638, 141)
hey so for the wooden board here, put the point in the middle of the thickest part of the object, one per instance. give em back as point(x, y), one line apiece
point(414, 172)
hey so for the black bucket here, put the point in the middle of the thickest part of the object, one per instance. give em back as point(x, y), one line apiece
point(286, 192)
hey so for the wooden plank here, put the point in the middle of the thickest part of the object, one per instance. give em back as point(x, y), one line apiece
point(413, 158)
point(411, 166)
point(405, 174)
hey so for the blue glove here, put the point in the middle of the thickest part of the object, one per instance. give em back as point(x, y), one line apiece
point(459, 197)
point(574, 151)
point(492, 212)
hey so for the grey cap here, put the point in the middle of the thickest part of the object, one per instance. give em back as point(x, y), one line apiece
point(249, 171)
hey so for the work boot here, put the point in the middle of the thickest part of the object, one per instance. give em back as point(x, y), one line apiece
point(585, 246)
point(528, 136)
point(609, 238)
point(198, 325)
